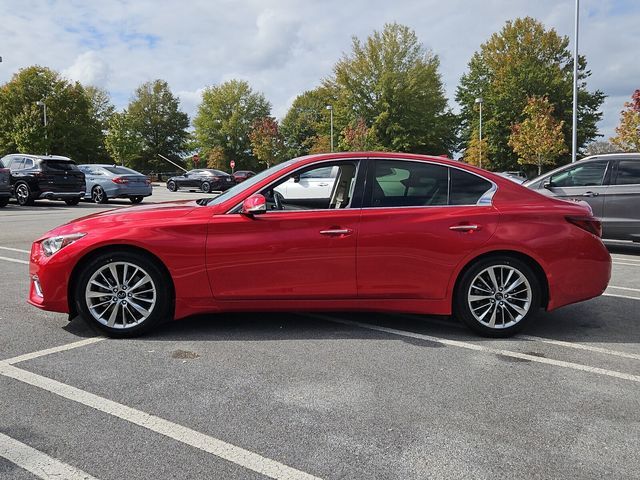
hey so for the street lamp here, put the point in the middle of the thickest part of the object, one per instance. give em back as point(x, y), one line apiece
point(41, 103)
point(330, 108)
point(574, 134)
point(480, 101)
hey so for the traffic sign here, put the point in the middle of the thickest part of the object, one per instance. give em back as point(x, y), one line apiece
point(232, 163)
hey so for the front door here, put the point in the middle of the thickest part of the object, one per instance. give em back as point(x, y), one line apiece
point(291, 251)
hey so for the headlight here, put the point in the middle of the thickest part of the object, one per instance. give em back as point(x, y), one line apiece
point(53, 244)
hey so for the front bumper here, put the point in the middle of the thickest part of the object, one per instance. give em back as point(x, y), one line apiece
point(49, 279)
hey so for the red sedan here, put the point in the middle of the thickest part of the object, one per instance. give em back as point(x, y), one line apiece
point(391, 232)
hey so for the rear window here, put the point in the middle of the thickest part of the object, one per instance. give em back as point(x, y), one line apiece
point(121, 170)
point(466, 188)
point(628, 172)
point(218, 173)
point(59, 165)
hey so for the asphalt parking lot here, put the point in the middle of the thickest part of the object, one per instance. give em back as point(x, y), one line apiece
point(301, 396)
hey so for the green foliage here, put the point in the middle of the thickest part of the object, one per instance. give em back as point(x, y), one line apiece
point(71, 125)
point(477, 152)
point(538, 140)
point(627, 136)
point(155, 116)
point(358, 138)
point(224, 121)
point(266, 141)
point(122, 142)
point(392, 83)
point(100, 109)
point(521, 61)
point(307, 118)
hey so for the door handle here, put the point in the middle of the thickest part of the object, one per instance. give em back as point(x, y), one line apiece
point(334, 232)
point(323, 184)
point(590, 194)
point(464, 228)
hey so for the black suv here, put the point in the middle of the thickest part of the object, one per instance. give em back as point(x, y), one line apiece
point(50, 177)
point(5, 186)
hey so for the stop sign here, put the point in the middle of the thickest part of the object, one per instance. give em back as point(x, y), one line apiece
point(196, 159)
point(233, 164)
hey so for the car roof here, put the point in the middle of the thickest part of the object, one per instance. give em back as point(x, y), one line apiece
point(613, 156)
point(44, 157)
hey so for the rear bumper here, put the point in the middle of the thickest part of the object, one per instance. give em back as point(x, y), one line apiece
point(48, 195)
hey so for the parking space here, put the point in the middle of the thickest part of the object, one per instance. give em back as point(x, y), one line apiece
point(301, 396)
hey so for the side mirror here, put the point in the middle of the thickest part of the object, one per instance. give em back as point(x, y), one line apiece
point(296, 179)
point(254, 205)
point(547, 184)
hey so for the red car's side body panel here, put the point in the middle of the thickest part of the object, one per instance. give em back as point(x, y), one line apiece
point(389, 259)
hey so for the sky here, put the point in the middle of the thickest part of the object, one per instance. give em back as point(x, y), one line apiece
point(284, 47)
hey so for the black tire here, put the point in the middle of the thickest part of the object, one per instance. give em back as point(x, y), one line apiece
point(205, 187)
point(510, 308)
point(23, 194)
point(98, 195)
point(171, 186)
point(72, 201)
point(4, 201)
point(158, 311)
point(136, 200)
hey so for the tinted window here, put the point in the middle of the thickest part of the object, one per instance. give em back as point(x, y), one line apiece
point(119, 170)
point(215, 172)
point(409, 184)
point(584, 175)
point(466, 189)
point(59, 165)
point(628, 172)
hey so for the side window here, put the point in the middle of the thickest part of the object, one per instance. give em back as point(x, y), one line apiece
point(408, 184)
point(582, 175)
point(466, 188)
point(6, 162)
point(328, 187)
point(628, 172)
point(28, 163)
point(17, 164)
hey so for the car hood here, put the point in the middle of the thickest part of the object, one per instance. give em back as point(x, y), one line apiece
point(139, 213)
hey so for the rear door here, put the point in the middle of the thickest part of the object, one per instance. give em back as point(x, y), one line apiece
point(622, 202)
point(61, 176)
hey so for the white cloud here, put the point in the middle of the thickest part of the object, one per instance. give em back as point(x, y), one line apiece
point(283, 47)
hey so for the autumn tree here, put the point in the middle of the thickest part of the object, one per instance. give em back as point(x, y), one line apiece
point(627, 136)
point(216, 158)
point(358, 137)
point(71, 128)
point(393, 83)
point(155, 116)
point(225, 118)
point(477, 152)
point(523, 60)
point(266, 141)
point(538, 139)
point(122, 141)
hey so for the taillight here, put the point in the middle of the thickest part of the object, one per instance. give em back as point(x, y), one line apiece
point(589, 224)
point(148, 181)
point(119, 180)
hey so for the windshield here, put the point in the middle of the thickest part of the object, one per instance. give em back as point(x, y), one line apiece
point(247, 184)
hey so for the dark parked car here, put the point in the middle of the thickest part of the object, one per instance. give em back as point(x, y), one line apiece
point(205, 179)
point(609, 183)
point(242, 175)
point(5, 186)
point(50, 177)
point(106, 182)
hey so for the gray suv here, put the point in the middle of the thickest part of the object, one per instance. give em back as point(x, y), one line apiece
point(609, 183)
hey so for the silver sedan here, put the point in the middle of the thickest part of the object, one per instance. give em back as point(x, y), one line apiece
point(105, 182)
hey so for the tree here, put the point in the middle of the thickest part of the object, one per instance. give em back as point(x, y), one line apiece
point(101, 110)
point(627, 136)
point(155, 116)
point(70, 126)
point(122, 142)
point(477, 153)
point(358, 137)
point(599, 147)
point(524, 60)
point(393, 84)
point(225, 118)
point(266, 141)
point(307, 118)
point(538, 140)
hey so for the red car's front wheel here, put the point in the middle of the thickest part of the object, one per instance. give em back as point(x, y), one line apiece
point(123, 293)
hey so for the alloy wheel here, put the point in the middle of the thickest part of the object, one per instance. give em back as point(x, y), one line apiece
point(22, 194)
point(499, 296)
point(120, 295)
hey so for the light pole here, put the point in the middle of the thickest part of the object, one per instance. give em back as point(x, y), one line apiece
point(41, 103)
point(330, 108)
point(574, 138)
point(480, 101)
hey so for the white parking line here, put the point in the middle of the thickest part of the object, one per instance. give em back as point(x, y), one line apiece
point(49, 351)
point(627, 264)
point(15, 250)
point(14, 260)
point(193, 438)
point(38, 463)
point(625, 288)
point(620, 296)
point(579, 346)
point(479, 348)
